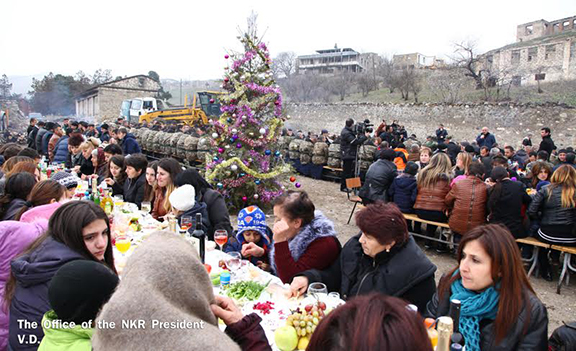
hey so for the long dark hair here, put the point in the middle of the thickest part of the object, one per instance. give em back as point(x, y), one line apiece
point(173, 167)
point(118, 160)
point(18, 186)
point(192, 177)
point(498, 174)
point(149, 189)
point(65, 226)
point(507, 269)
point(371, 322)
point(42, 193)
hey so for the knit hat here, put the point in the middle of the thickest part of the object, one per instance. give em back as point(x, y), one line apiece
point(183, 198)
point(252, 218)
point(80, 288)
point(411, 168)
point(469, 148)
point(66, 179)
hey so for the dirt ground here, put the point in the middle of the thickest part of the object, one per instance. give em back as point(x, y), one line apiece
point(333, 203)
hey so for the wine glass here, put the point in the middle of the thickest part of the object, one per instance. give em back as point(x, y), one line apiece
point(234, 261)
point(317, 288)
point(118, 201)
point(185, 223)
point(146, 206)
point(221, 238)
point(123, 243)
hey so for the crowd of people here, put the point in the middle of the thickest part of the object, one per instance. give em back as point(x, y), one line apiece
point(57, 261)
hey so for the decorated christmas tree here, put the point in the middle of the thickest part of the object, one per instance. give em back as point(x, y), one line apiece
point(248, 164)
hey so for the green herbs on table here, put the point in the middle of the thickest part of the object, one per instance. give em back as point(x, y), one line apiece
point(245, 290)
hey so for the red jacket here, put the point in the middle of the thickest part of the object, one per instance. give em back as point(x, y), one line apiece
point(319, 255)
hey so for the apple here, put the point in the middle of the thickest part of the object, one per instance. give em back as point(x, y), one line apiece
point(286, 338)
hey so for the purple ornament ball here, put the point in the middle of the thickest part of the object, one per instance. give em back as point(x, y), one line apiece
point(297, 185)
point(238, 146)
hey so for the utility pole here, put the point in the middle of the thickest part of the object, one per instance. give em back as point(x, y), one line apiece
point(180, 91)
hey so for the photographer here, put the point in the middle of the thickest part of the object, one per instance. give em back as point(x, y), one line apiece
point(351, 138)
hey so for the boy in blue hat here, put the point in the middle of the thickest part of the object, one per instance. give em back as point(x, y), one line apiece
point(253, 237)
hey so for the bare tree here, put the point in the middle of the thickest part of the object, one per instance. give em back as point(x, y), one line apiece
point(466, 56)
point(341, 83)
point(284, 65)
point(447, 84)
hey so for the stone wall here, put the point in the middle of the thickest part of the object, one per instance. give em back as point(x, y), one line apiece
point(509, 122)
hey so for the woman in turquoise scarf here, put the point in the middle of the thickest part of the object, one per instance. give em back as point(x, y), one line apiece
point(500, 310)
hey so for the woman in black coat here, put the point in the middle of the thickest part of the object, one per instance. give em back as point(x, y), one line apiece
point(135, 185)
point(384, 258)
point(217, 210)
point(499, 308)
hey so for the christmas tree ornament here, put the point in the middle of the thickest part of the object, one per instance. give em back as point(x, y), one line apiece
point(277, 154)
point(297, 185)
point(227, 146)
point(244, 198)
point(220, 185)
point(220, 150)
point(234, 115)
point(238, 146)
point(242, 174)
point(226, 79)
point(226, 57)
point(251, 134)
point(234, 131)
point(215, 158)
point(292, 179)
point(229, 120)
point(257, 182)
point(214, 135)
point(211, 101)
point(262, 131)
point(256, 196)
point(268, 152)
point(234, 168)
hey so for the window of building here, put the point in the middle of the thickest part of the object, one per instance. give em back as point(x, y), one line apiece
point(516, 81)
point(540, 76)
point(515, 56)
point(550, 51)
point(529, 29)
point(532, 53)
point(566, 24)
point(556, 28)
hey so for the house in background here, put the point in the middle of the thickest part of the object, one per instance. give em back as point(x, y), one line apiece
point(335, 60)
point(103, 102)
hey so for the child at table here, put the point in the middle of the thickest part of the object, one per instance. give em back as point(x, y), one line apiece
point(253, 237)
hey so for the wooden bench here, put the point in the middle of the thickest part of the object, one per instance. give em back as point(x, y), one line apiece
point(566, 266)
point(333, 169)
point(536, 245)
point(415, 218)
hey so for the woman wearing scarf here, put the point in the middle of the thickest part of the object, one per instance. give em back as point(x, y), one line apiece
point(500, 310)
point(303, 238)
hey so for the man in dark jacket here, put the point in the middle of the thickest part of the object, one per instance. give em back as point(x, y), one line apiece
point(39, 135)
point(379, 178)
point(128, 141)
point(388, 135)
point(349, 143)
point(486, 139)
point(486, 160)
point(32, 135)
point(547, 144)
point(441, 134)
point(50, 128)
point(105, 135)
point(31, 126)
point(452, 149)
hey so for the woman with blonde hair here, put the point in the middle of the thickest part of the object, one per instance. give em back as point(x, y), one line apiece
point(425, 155)
point(460, 170)
point(90, 163)
point(433, 186)
point(555, 206)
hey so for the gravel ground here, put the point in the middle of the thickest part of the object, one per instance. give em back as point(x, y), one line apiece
point(333, 203)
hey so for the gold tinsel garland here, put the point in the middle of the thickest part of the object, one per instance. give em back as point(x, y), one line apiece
point(279, 170)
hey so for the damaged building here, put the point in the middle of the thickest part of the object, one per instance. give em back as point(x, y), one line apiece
point(416, 60)
point(335, 60)
point(103, 101)
point(544, 51)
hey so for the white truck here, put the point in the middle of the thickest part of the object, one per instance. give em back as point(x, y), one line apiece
point(132, 109)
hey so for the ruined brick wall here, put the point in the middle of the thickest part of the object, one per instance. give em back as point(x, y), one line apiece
point(509, 122)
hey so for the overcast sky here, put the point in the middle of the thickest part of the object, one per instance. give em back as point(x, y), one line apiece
point(188, 39)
